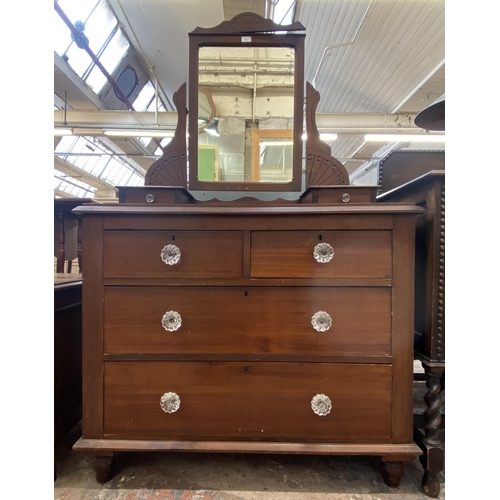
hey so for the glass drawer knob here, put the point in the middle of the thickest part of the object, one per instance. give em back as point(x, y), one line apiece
point(150, 198)
point(321, 321)
point(323, 252)
point(171, 321)
point(170, 402)
point(321, 405)
point(171, 254)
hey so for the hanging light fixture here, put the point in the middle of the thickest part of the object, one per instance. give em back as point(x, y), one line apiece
point(213, 129)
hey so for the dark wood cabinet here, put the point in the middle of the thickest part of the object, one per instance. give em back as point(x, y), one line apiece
point(67, 354)
point(428, 191)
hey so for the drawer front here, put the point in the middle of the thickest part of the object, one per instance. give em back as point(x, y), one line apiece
point(253, 320)
point(203, 254)
point(290, 254)
point(257, 401)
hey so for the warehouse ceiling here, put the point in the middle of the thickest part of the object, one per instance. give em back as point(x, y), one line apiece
point(375, 63)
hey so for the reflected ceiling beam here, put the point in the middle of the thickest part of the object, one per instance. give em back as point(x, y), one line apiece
point(348, 123)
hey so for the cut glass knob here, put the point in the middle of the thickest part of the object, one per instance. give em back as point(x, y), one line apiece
point(321, 321)
point(171, 254)
point(170, 402)
point(150, 198)
point(171, 321)
point(323, 252)
point(321, 405)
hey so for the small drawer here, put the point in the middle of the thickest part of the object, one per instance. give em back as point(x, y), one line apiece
point(321, 254)
point(173, 254)
point(256, 401)
point(252, 320)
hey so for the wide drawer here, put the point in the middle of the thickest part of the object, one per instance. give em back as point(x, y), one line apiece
point(257, 401)
point(256, 320)
point(203, 254)
point(290, 254)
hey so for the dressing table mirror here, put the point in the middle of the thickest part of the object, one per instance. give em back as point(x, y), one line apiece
point(252, 141)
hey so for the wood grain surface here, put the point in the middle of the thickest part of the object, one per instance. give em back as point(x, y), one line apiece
point(263, 320)
point(289, 254)
point(204, 254)
point(256, 401)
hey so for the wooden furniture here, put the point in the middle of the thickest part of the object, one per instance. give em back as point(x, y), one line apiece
point(400, 167)
point(428, 191)
point(281, 326)
point(67, 353)
point(224, 349)
point(67, 234)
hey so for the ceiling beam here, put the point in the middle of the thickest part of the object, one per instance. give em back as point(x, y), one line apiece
point(67, 84)
point(348, 123)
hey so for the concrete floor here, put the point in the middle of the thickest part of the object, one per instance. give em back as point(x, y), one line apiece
point(196, 476)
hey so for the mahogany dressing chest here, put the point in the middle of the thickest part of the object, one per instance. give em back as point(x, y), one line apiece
point(278, 326)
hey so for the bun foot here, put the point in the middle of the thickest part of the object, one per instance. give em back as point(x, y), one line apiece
point(103, 468)
point(392, 472)
point(430, 484)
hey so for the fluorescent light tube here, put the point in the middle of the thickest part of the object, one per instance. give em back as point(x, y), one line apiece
point(328, 137)
point(404, 138)
point(325, 136)
point(139, 133)
point(62, 131)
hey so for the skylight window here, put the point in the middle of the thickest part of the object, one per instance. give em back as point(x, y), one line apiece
point(110, 59)
point(89, 154)
point(99, 26)
point(109, 44)
point(164, 142)
point(67, 184)
point(284, 11)
point(105, 40)
point(145, 97)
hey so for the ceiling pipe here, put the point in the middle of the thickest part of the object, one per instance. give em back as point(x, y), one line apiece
point(96, 61)
point(338, 45)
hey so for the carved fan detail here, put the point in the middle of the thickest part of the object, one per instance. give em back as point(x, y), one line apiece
point(322, 169)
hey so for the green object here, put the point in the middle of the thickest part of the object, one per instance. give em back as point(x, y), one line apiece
point(206, 164)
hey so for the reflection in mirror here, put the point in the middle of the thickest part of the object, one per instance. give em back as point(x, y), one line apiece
point(206, 108)
point(253, 96)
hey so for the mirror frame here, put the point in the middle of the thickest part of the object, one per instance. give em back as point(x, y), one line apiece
point(232, 34)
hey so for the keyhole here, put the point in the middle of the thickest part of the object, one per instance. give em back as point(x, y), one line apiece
point(320, 237)
point(173, 237)
point(246, 369)
point(246, 294)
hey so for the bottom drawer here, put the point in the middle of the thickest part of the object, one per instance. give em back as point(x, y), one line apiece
point(254, 401)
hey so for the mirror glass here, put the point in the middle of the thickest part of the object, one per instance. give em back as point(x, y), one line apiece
point(249, 135)
point(206, 108)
